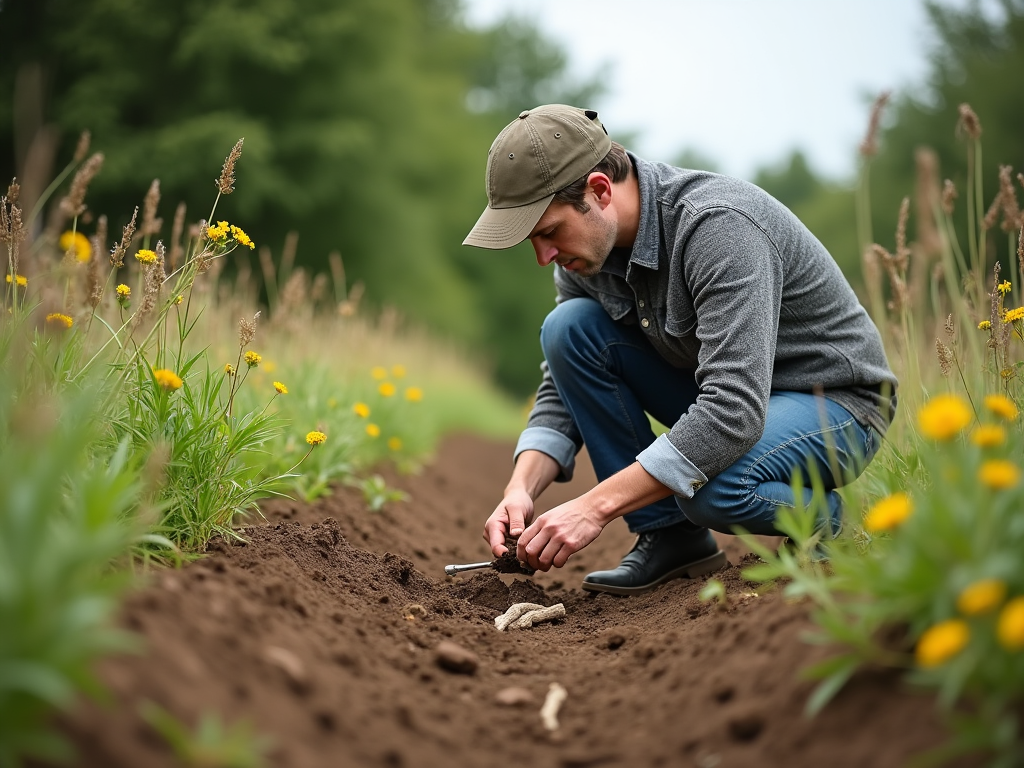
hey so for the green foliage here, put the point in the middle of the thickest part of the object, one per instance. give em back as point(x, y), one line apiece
point(714, 590)
point(213, 744)
point(67, 511)
point(376, 492)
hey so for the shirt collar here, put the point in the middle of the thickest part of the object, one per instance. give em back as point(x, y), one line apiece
point(645, 247)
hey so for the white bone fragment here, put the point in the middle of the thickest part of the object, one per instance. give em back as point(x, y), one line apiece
point(527, 620)
point(552, 703)
point(513, 613)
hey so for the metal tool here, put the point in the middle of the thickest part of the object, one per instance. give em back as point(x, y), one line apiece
point(451, 570)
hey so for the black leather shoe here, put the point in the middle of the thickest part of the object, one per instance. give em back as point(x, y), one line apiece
point(659, 556)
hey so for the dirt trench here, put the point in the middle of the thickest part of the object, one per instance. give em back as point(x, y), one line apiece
point(322, 630)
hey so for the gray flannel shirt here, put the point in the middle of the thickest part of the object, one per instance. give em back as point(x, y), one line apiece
point(724, 280)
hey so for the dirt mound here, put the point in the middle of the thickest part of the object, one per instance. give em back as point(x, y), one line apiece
point(327, 629)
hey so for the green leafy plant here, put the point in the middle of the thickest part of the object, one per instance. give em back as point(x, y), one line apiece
point(376, 492)
point(212, 744)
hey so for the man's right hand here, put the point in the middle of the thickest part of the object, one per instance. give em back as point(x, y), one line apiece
point(510, 518)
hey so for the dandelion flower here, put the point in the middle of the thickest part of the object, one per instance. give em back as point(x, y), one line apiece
point(1010, 627)
point(76, 244)
point(1012, 315)
point(943, 417)
point(373, 430)
point(1004, 287)
point(146, 256)
point(169, 380)
point(988, 435)
point(398, 371)
point(999, 475)
point(59, 318)
point(942, 642)
point(414, 394)
point(1001, 406)
point(395, 443)
point(280, 388)
point(362, 410)
point(387, 389)
point(379, 372)
point(252, 359)
point(981, 597)
point(316, 438)
point(21, 280)
point(984, 325)
point(888, 513)
point(229, 369)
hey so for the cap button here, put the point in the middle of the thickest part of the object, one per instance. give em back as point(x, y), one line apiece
point(524, 113)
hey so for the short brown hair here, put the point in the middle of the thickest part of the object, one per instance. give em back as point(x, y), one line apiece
point(616, 165)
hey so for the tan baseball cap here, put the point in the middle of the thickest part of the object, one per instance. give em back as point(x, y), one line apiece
point(542, 151)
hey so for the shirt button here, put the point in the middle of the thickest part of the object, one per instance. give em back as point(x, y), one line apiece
point(645, 323)
point(642, 303)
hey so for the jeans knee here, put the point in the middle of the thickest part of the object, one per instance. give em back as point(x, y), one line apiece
point(567, 325)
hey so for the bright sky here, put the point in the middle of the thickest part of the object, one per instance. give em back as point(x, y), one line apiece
point(743, 82)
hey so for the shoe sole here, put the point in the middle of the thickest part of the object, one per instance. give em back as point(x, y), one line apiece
point(690, 571)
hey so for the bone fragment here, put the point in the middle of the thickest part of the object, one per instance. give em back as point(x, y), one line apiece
point(552, 703)
point(513, 613)
point(527, 620)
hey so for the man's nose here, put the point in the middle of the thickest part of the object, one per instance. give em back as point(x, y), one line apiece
point(545, 252)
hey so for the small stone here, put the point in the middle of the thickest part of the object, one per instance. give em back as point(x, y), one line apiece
point(454, 658)
point(288, 663)
point(513, 697)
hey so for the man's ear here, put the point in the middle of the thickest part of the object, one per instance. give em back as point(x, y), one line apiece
point(601, 187)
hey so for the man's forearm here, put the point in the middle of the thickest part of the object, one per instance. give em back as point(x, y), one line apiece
point(534, 472)
point(625, 492)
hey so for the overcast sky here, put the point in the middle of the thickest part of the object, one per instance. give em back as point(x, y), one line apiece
point(743, 82)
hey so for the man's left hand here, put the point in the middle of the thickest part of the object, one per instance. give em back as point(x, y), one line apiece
point(558, 534)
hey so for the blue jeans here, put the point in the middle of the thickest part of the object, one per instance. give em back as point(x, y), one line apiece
point(610, 377)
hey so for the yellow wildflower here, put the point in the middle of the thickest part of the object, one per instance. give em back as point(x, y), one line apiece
point(414, 394)
point(943, 417)
point(889, 512)
point(942, 642)
point(229, 369)
point(241, 238)
point(379, 372)
point(988, 435)
point(58, 318)
point(398, 371)
point(1010, 628)
point(395, 443)
point(146, 256)
point(77, 245)
point(1004, 287)
point(1007, 373)
point(1013, 314)
point(373, 430)
point(123, 291)
point(984, 325)
point(387, 389)
point(1001, 406)
point(280, 388)
point(252, 359)
point(169, 380)
point(21, 280)
point(219, 233)
point(999, 475)
point(981, 597)
point(178, 299)
point(362, 410)
point(315, 438)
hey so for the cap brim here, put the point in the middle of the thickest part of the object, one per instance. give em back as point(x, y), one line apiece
point(505, 227)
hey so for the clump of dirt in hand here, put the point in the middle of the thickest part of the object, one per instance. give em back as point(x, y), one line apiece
point(509, 563)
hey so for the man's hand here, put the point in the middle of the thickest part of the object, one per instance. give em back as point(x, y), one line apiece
point(510, 518)
point(559, 533)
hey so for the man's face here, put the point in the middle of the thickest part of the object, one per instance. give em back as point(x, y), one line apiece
point(578, 242)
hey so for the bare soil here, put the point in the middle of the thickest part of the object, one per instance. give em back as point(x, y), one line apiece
point(323, 630)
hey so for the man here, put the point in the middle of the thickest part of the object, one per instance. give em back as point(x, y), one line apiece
point(695, 298)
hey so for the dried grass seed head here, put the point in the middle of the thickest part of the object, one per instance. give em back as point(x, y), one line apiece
point(226, 181)
point(177, 227)
point(247, 330)
point(945, 355)
point(94, 285)
point(902, 251)
point(968, 123)
point(949, 196)
point(869, 146)
point(74, 203)
point(13, 190)
point(1011, 208)
point(150, 223)
point(121, 248)
point(82, 149)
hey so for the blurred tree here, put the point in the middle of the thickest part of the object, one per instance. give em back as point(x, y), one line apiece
point(791, 182)
point(694, 159)
point(366, 126)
